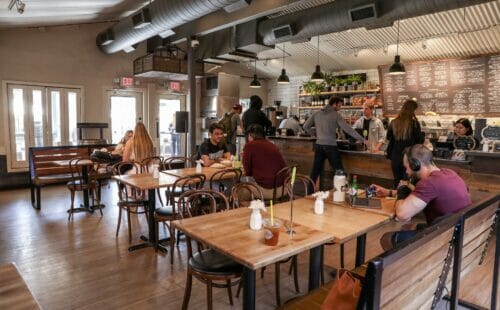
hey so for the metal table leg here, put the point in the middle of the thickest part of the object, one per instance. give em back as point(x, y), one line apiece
point(248, 289)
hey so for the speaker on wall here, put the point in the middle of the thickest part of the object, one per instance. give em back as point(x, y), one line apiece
point(181, 121)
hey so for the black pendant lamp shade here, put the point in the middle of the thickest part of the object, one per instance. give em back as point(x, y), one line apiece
point(255, 82)
point(317, 75)
point(397, 67)
point(283, 78)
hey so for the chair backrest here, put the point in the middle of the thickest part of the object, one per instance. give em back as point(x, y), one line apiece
point(408, 275)
point(147, 163)
point(279, 180)
point(224, 180)
point(122, 168)
point(200, 202)
point(78, 166)
point(176, 162)
point(301, 186)
point(243, 193)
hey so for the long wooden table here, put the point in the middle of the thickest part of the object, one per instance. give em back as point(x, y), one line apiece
point(147, 182)
point(14, 293)
point(229, 233)
point(183, 172)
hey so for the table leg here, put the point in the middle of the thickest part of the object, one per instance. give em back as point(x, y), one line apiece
point(315, 255)
point(248, 289)
point(85, 175)
point(360, 250)
point(150, 240)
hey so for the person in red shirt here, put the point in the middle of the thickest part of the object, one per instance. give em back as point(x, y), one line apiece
point(438, 192)
point(261, 160)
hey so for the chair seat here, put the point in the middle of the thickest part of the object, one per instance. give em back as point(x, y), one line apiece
point(212, 262)
point(164, 211)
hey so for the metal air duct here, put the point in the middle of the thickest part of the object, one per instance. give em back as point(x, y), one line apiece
point(164, 15)
point(337, 16)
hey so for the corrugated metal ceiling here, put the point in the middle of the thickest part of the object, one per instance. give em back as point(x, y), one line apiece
point(452, 34)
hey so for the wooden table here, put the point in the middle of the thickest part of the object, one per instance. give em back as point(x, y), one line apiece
point(85, 174)
point(228, 232)
point(207, 171)
point(145, 182)
point(342, 223)
point(387, 205)
point(14, 293)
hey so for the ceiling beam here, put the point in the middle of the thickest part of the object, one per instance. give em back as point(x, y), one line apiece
point(220, 19)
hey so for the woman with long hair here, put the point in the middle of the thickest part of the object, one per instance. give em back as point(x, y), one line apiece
point(404, 131)
point(140, 146)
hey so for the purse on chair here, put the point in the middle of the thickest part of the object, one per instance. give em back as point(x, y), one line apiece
point(344, 293)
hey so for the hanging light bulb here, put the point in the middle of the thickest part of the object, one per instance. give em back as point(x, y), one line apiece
point(397, 67)
point(255, 82)
point(283, 78)
point(317, 75)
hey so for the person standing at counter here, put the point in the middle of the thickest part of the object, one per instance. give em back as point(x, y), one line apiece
point(291, 123)
point(463, 127)
point(326, 121)
point(373, 128)
point(254, 115)
point(261, 160)
point(404, 131)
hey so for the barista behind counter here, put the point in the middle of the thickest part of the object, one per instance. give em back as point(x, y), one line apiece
point(373, 128)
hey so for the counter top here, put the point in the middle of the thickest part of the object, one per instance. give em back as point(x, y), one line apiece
point(298, 138)
point(482, 154)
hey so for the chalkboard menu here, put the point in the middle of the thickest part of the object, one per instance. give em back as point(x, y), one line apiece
point(458, 86)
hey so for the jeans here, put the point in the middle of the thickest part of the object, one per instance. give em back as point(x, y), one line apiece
point(322, 152)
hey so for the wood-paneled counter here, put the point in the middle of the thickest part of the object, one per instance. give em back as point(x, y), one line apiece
point(300, 150)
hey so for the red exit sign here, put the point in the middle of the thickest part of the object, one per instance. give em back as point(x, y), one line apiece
point(176, 86)
point(126, 81)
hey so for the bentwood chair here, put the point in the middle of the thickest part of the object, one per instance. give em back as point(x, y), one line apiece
point(147, 165)
point(224, 180)
point(130, 200)
point(83, 177)
point(170, 212)
point(207, 265)
point(279, 193)
point(176, 162)
point(243, 193)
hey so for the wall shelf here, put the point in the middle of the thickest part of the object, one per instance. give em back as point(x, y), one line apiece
point(342, 92)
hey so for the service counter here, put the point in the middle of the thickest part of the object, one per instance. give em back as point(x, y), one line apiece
point(480, 172)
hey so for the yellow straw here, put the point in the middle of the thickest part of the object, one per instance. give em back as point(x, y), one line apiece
point(294, 170)
point(272, 213)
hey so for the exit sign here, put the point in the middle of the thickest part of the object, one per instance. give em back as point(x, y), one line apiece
point(126, 81)
point(176, 86)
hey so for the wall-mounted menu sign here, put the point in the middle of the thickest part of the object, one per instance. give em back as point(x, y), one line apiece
point(457, 86)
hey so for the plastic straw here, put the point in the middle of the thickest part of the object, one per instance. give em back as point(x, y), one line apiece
point(294, 170)
point(272, 213)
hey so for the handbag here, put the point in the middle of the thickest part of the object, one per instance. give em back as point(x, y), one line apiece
point(344, 293)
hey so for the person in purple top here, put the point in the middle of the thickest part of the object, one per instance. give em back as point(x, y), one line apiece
point(438, 192)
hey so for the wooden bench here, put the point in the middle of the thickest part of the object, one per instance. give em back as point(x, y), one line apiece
point(408, 275)
point(44, 171)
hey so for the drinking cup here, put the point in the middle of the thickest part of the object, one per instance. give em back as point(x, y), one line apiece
point(271, 232)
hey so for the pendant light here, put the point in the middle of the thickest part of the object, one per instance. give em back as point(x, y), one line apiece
point(255, 83)
point(283, 78)
point(397, 67)
point(317, 75)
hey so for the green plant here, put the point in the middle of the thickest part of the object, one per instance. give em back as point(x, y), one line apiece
point(355, 78)
point(329, 78)
point(312, 88)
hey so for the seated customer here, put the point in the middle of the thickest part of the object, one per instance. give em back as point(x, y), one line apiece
point(261, 160)
point(120, 147)
point(213, 150)
point(437, 193)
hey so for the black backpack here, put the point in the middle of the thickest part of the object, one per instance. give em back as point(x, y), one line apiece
point(225, 122)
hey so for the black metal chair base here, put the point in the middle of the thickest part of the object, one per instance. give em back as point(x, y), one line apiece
point(90, 209)
point(146, 244)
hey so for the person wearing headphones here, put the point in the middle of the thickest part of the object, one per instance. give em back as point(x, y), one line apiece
point(437, 193)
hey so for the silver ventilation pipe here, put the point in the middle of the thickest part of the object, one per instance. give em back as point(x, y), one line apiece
point(335, 17)
point(162, 16)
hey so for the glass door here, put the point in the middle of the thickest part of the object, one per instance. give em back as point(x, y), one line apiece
point(170, 142)
point(125, 111)
point(64, 111)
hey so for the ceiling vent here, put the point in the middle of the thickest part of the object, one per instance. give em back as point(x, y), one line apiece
point(105, 38)
point(237, 6)
point(141, 19)
point(284, 31)
point(364, 13)
point(158, 67)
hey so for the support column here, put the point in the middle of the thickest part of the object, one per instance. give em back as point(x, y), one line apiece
point(191, 136)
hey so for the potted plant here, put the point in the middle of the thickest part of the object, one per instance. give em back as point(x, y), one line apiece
point(329, 81)
point(356, 80)
point(338, 81)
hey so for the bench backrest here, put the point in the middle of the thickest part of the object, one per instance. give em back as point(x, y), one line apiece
point(42, 160)
point(407, 276)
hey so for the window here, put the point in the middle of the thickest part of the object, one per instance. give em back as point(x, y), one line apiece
point(39, 116)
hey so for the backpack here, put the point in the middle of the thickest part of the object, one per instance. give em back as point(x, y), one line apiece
point(225, 122)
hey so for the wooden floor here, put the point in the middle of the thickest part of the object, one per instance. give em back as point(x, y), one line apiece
point(82, 265)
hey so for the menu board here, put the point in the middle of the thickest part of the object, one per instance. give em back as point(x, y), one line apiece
point(458, 86)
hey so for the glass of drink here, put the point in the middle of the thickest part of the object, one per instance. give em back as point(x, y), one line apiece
point(271, 232)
